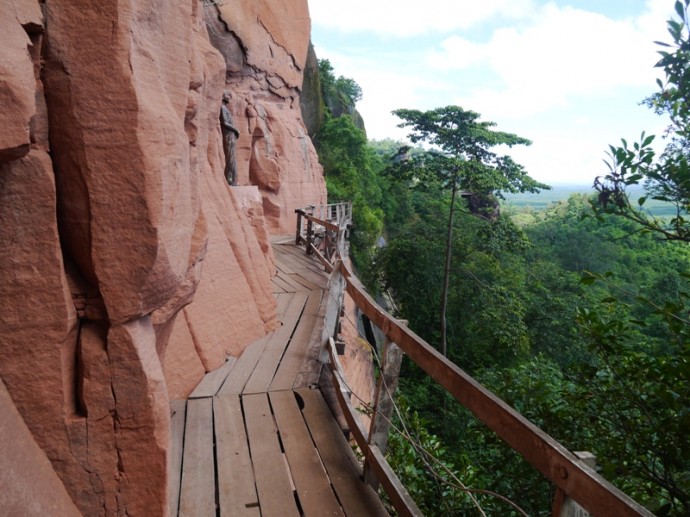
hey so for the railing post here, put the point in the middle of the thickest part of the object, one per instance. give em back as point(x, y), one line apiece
point(327, 245)
point(310, 235)
point(563, 506)
point(298, 232)
point(383, 404)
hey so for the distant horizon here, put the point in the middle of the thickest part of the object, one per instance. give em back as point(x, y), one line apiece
point(570, 184)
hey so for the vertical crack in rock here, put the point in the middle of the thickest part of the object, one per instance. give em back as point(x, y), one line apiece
point(129, 219)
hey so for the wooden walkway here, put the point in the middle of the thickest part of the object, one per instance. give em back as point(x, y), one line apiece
point(256, 436)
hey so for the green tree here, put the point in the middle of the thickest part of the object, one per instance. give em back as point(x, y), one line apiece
point(665, 177)
point(341, 93)
point(467, 166)
point(351, 169)
point(648, 374)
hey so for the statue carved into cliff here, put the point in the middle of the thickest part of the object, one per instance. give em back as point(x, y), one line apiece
point(230, 135)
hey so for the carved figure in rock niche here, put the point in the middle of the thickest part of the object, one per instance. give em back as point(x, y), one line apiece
point(230, 135)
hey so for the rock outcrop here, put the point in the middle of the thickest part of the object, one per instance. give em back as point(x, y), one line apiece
point(129, 266)
point(312, 102)
point(265, 47)
point(25, 467)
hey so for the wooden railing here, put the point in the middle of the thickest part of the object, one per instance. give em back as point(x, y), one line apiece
point(571, 477)
point(323, 229)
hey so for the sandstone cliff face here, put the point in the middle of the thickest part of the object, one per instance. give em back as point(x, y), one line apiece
point(265, 47)
point(129, 267)
point(312, 103)
point(23, 467)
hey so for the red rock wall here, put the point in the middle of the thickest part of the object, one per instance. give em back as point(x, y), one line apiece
point(129, 267)
point(23, 467)
point(265, 45)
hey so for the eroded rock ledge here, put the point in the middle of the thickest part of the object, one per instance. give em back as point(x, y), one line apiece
point(129, 266)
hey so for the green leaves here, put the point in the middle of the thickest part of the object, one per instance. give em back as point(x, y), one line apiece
point(680, 10)
point(665, 177)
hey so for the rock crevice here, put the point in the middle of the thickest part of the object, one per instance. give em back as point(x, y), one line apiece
point(130, 267)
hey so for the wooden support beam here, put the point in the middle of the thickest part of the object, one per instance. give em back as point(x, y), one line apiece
point(383, 404)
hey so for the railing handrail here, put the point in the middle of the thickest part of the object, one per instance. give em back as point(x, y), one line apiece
point(560, 466)
point(546, 454)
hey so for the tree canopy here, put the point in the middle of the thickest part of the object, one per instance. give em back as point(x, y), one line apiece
point(464, 163)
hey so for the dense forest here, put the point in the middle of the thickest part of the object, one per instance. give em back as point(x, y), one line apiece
point(576, 315)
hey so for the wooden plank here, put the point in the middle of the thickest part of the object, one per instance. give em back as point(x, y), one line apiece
point(281, 266)
point(267, 364)
point(293, 283)
point(297, 349)
point(282, 302)
point(310, 370)
point(198, 489)
point(275, 287)
point(273, 483)
point(553, 460)
point(356, 498)
point(213, 380)
point(313, 486)
point(236, 490)
point(286, 284)
point(279, 285)
point(296, 278)
point(234, 383)
point(297, 258)
point(306, 269)
point(178, 409)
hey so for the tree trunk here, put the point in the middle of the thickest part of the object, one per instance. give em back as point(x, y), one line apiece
point(446, 270)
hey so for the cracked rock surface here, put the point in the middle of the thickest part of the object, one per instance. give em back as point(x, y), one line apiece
point(129, 266)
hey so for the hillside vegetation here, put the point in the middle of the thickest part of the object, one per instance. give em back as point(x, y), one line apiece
point(575, 314)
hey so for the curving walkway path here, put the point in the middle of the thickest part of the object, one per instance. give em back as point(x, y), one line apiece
point(256, 436)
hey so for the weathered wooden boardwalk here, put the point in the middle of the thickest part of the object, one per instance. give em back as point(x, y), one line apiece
point(256, 437)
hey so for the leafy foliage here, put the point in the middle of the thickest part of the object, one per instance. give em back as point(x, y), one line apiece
point(519, 312)
point(341, 91)
point(666, 177)
point(576, 317)
point(464, 164)
point(351, 167)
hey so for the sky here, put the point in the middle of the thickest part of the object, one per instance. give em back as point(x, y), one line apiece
point(568, 75)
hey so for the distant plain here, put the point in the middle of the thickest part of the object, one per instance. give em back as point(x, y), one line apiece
point(560, 193)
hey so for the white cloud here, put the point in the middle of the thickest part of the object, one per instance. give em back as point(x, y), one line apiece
point(564, 52)
point(404, 18)
point(568, 79)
